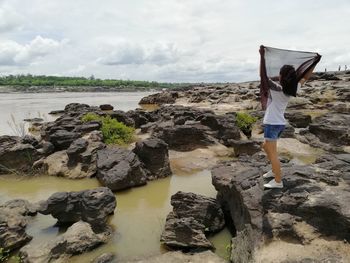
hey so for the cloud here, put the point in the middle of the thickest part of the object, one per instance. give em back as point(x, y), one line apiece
point(13, 53)
point(126, 52)
point(173, 40)
point(9, 18)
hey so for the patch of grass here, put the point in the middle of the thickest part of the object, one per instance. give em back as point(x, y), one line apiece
point(245, 122)
point(113, 131)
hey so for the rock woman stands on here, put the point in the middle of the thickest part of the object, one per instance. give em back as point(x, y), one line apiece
point(274, 122)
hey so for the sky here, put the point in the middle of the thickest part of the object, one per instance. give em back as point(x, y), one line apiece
point(166, 40)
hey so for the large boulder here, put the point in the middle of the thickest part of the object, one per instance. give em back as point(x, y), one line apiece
point(298, 119)
point(184, 233)
point(332, 128)
point(62, 139)
point(165, 97)
point(184, 137)
point(92, 206)
point(78, 161)
point(153, 152)
point(119, 168)
point(13, 221)
point(192, 217)
point(78, 239)
point(16, 154)
point(313, 195)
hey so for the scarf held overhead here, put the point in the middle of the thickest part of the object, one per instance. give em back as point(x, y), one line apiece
point(273, 59)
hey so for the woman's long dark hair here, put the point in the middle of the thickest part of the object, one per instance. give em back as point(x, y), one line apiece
point(288, 80)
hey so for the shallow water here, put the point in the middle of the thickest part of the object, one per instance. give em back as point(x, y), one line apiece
point(14, 107)
point(139, 217)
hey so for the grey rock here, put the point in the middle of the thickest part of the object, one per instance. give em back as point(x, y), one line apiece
point(119, 168)
point(184, 233)
point(205, 210)
point(153, 152)
point(13, 221)
point(106, 107)
point(92, 206)
point(248, 147)
point(15, 155)
point(78, 239)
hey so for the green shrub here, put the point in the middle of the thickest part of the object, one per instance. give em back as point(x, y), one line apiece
point(91, 117)
point(245, 122)
point(113, 131)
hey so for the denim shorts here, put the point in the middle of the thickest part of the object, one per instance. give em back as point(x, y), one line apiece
point(273, 132)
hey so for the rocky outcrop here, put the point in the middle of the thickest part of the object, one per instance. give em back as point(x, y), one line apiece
point(106, 107)
point(17, 154)
point(192, 216)
point(154, 154)
point(13, 221)
point(160, 98)
point(92, 206)
point(312, 194)
point(78, 161)
point(119, 168)
point(105, 258)
point(184, 137)
point(332, 128)
point(77, 239)
point(241, 147)
point(298, 119)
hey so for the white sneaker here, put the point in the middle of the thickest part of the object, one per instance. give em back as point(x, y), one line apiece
point(274, 184)
point(269, 174)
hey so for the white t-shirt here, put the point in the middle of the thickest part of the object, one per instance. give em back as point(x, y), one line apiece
point(276, 105)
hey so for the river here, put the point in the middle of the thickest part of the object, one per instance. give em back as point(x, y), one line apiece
point(140, 214)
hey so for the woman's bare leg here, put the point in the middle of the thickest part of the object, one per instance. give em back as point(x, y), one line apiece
point(270, 148)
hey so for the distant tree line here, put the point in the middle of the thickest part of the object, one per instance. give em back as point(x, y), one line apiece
point(31, 80)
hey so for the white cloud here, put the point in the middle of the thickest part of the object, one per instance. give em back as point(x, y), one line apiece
point(12, 53)
point(173, 40)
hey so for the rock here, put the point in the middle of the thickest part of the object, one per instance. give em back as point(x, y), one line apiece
point(92, 206)
point(153, 152)
point(121, 116)
point(192, 216)
point(105, 258)
point(106, 107)
point(76, 107)
point(248, 147)
point(78, 239)
point(298, 119)
point(288, 131)
point(55, 112)
point(184, 137)
point(332, 128)
point(13, 222)
point(78, 161)
point(15, 155)
point(180, 257)
point(140, 117)
point(184, 233)
point(62, 139)
point(88, 127)
point(205, 210)
point(165, 97)
point(313, 194)
point(119, 168)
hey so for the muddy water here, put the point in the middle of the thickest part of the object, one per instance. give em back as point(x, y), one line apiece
point(14, 107)
point(139, 217)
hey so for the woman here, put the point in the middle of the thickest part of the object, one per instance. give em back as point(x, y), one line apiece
point(274, 121)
